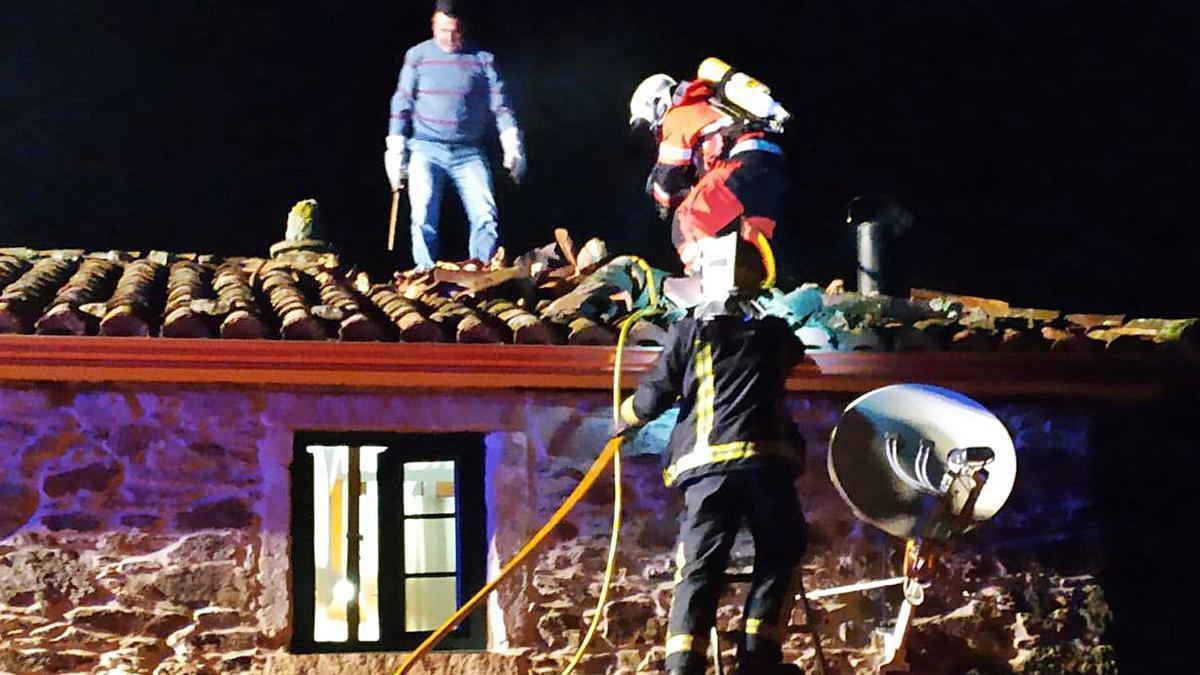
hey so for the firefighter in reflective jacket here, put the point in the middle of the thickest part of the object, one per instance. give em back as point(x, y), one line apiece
point(735, 454)
point(717, 170)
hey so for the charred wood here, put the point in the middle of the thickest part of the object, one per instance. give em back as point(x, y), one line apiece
point(540, 259)
point(565, 244)
point(479, 281)
point(554, 288)
point(587, 298)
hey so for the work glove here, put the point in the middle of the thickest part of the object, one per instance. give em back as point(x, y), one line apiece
point(627, 419)
point(395, 161)
point(663, 210)
point(514, 153)
point(690, 255)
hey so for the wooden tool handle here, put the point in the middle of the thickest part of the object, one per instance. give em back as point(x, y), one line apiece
point(392, 220)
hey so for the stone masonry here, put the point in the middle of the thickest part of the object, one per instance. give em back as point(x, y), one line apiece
point(146, 531)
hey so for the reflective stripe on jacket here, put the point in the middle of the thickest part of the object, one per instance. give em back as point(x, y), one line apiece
point(728, 373)
point(684, 125)
point(748, 188)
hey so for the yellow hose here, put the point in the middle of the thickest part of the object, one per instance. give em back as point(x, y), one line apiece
point(768, 257)
point(611, 452)
point(611, 564)
point(611, 449)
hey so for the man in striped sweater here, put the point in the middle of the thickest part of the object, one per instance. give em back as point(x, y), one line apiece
point(448, 95)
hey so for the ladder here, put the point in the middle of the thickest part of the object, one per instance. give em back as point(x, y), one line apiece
point(810, 625)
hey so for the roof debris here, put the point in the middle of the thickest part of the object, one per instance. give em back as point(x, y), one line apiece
point(555, 294)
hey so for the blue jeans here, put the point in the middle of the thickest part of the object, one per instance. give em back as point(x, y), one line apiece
point(429, 165)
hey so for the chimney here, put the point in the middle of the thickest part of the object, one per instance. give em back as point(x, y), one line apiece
point(876, 220)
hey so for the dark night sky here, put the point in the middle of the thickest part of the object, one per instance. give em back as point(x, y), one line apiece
point(1046, 148)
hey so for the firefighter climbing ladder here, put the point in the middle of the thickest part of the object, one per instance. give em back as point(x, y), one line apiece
point(610, 453)
point(987, 445)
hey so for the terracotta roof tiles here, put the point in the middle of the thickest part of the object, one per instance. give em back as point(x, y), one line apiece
point(544, 298)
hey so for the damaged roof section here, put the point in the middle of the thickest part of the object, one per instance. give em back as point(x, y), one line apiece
point(553, 295)
point(559, 293)
point(833, 319)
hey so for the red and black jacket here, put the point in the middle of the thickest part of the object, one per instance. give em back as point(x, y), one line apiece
point(745, 192)
point(680, 159)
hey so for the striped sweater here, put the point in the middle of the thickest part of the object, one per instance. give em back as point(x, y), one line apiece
point(449, 98)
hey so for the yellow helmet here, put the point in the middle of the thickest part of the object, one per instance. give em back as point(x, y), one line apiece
point(650, 101)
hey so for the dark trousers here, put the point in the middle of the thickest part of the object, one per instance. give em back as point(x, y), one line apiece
point(715, 508)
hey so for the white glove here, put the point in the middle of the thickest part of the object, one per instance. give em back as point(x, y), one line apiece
point(627, 418)
point(395, 160)
point(514, 153)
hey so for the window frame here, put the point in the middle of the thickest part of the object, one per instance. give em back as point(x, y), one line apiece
point(466, 450)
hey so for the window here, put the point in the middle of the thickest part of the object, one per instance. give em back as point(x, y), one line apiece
point(387, 539)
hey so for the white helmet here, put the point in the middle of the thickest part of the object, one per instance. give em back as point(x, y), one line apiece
point(650, 100)
point(730, 266)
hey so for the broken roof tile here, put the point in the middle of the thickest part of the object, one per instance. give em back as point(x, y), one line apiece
point(555, 294)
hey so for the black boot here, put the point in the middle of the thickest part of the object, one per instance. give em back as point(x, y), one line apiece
point(696, 665)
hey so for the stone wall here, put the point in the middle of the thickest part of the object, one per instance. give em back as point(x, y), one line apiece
point(146, 531)
point(1019, 593)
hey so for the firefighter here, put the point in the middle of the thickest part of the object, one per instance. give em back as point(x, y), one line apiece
point(719, 167)
point(734, 453)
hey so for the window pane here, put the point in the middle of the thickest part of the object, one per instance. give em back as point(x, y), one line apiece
point(368, 522)
point(332, 587)
point(430, 545)
point(428, 488)
point(428, 602)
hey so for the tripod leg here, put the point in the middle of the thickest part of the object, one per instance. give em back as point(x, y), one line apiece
point(813, 630)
